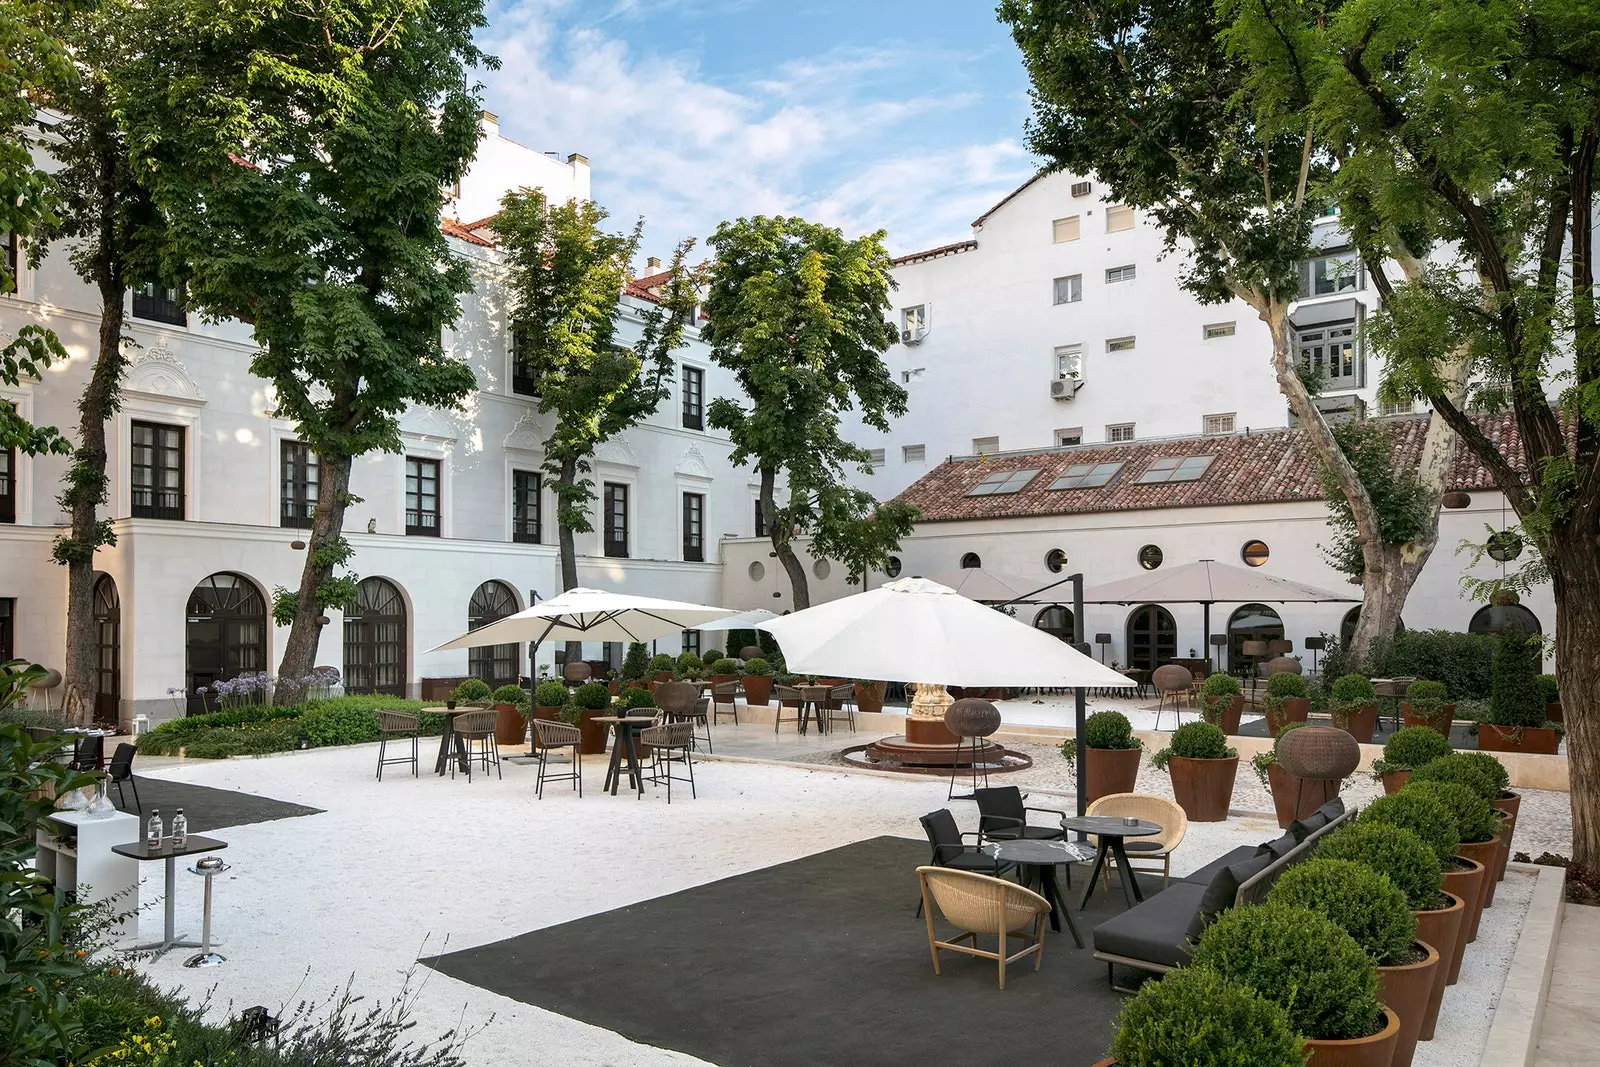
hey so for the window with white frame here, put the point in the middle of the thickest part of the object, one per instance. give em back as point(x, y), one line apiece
point(1214, 330)
point(914, 319)
point(1071, 435)
point(1120, 431)
point(1403, 406)
point(1223, 423)
point(1069, 363)
point(913, 453)
point(1119, 217)
point(875, 457)
point(1064, 230)
point(1120, 344)
point(1338, 271)
point(1069, 290)
point(985, 445)
point(1124, 273)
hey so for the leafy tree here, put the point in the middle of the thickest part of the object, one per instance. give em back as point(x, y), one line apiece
point(1473, 129)
point(797, 314)
point(1152, 98)
point(301, 154)
point(566, 276)
point(1397, 496)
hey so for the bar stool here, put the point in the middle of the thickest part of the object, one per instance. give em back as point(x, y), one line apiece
point(552, 735)
point(783, 693)
point(669, 744)
point(400, 727)
point(208, 868)
point(476, 731)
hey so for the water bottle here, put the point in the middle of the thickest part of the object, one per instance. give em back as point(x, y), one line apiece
point(152, 835)
point(180, 831)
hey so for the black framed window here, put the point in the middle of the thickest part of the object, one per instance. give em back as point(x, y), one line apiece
point(525, 486)
point(694, 398)
point(160, 303)
point(8, 608)
point(156, 471)
point(691, 641)
point(8, 485)
point(422, 496)
point(616, 505)
point(694, 539)
point(761, 521)
point(297, 484)
point(13, 244)
point(524, 375)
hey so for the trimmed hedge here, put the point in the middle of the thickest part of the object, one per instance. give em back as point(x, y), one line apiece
point(1365, 904)
point(1394, 852)
point(1455, 767)
point(260, 729)
point(1461, 661)
point(1423, 815)
point(1496, 771)
point(1475, 821)
point(1412, 746)
point(1194, 1015)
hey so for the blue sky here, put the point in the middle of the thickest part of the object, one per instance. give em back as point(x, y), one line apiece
point(894, 114)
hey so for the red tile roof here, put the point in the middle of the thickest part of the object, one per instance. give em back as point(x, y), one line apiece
point(934, 253)
point(452, 228)
point(1270, 466)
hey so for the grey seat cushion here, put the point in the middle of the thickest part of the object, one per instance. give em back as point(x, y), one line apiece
point(1332, 809)
point(1223, 889)
point(1155, 931)
point(1304, 828)
point(1279, 847)
point(1203, 876)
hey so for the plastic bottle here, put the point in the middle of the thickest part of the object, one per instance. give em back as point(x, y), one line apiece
point(152, 834)
point(180, 830)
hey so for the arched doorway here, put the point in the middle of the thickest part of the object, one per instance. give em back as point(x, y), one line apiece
point(1253, 622)
point(376, 639)
point(495, 664)
point(226, 634)
point(1056, 621)
point(1497, 617)
point(108, 655)
point(1152, 637)
point(1347, 628)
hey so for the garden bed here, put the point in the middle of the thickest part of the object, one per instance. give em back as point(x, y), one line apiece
point(259, 729)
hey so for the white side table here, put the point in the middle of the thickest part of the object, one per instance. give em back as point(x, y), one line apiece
point(88, 865)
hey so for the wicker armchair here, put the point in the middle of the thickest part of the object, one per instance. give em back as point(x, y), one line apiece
point(549, 735)
point(399, 727)
point(669, 744)
point(979, 904)
point(476, 730)
point(1159, 810)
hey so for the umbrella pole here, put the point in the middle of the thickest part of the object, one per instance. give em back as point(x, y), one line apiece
point(1080, 704)
point(1205, 631)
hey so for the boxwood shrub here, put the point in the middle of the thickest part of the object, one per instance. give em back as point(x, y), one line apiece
point(1499, 777)
point(1109, 729)
point(1195, 740)
point(1458, 769)
point(757, 667)
point(634, 697)
point(1423, 815)
point(550, 694)
point(711, 655)
point(1474, 819)
point(1194, 1015)
point(1286, 685)
point(1363, 903)
point(1515, 699)
point(1394, 852)
point(689, 663)
point(1412, 746)
point(724, 665)
point(472, 689)
point(509, 694)
point(660, 662)
point(592, 695)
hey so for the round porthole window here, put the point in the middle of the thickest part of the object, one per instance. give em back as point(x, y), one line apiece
point(970, 561)
point(758, 571)
point(1055, 559)
point(1504, 546)
point(1150, 557)
point(1255, 553)
point(892, 567)
point(821, 569)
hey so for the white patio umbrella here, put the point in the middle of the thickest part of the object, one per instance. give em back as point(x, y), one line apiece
point(916, 630)
point(590, 615)
point(745, 620)
point(978, 583)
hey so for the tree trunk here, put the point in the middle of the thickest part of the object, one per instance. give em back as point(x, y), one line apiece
point(1575, 574)
point(86, 491)
point(327, 528)
point(780, 533)
point(569, 553)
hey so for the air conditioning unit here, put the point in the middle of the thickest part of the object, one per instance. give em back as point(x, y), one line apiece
point(910, 337)
point(1064, 388)
point(1081, 188)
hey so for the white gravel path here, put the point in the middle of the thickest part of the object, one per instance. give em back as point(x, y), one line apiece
point(393, 869)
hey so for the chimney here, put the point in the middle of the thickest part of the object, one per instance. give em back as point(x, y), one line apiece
point(653, 265)
point(489, 122)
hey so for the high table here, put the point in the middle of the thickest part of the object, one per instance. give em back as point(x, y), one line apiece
point(1111, 829)
point(442, 764)
point(1042, 857)
point(811, 698)
point(624, 726)
point(138, 850)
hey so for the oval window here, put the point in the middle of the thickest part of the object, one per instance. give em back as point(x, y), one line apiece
point(1055, 559)
point(821, 569)
point(892, 567)
point(970, 561)
point(758, 571)
point(1150, 557)
point(1255, 553)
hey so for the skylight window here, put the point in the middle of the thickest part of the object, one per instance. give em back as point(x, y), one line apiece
point(1002, 482)
point(1176, 469)
point(1087, 476)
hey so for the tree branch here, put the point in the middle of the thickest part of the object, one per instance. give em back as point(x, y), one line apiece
point(1500, 469)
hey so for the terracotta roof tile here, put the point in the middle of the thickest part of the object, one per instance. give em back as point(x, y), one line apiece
point(452, 228)
point(934, 253)
point(1270, 466)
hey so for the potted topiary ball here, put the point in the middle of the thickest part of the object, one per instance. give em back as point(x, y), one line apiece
point(1373, 910)
point(689, 666)
point(1517, 722)
point(1425, 705)
point(1503, 799)
point(1203, 769)
point(1111, 754)
point(548, 699)
point(510, 724)
point(1194, 1015)
point(723, 670)
point(1286, 701)
point(1312, 969)
point(869, 695)
point(593, 699)
point(757, 682)
point(1478, 827)
point(1289, 801)
point(661, 667)
point(473, 691)
point(1221, 702)
point(1354, 707)
point(1550, 692)
point(1411, 746)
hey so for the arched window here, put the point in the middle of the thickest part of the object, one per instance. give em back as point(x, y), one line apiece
point(970, 561)
point(225, 635)
point(1253, 622)
point(108, 642)
point(1497, 617)
point(375, 640)
point(1055, 620)
point(1347, 628)
point(495, 664)
point(1152, 637)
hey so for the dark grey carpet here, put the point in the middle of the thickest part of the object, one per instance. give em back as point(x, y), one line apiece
point(204, 807)
point(817, 961)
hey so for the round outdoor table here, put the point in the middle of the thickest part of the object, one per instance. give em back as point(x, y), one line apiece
point(442, 764)
point(626, 727)
point(1041, 857)
point(1111, 829)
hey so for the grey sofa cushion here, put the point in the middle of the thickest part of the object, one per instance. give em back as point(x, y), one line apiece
point(1278, 847)
point(1223, 889)
point(1332, 809)
point(1203, 876)
point(1304, 828)
point(1155, 931)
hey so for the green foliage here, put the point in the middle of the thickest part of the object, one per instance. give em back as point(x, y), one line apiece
point(1459, 660)
point(1267, 757)
point(593, 696)
point(1516, 699)
point(1413, 746)
point(509, 694)
point(689, 663)
point(1286, 685)
point(1499, 778)
point(16, 675)
point(260, 728)
point(1354, 689)
point(1474, 818)
point(1424, 690)
point(1456, 767)
point(757, 667)
point(1394, 852)
point(636, 663)
point(1109, 729)
point(660, 662)
point(472, 690)
point(712, 655)
point(1193, 1015)
point(724, 665)
point(571, 714)
point(1220, 684)
point(1423, 815)
point(1549, 690)
point(284, 735)
point(1363, 903)
point(1195, 740)
point(550, 694)
point(633, 697)
point(1302, 961)
point(1397, 496)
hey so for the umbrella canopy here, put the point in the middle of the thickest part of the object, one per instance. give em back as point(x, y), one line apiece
point(1209, 582)
point(745, 620)
point(976, 583)
point(591, 615)
point(916, 630)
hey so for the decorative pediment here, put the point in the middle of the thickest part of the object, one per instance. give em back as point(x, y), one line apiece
point(693, 465)
point(428, 423)
point(157, 373)
point(527, 435)
point(617, 453)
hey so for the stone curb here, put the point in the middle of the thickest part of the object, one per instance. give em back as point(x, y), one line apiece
point(1518, 1017)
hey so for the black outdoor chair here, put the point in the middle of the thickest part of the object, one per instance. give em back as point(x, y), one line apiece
point(88, 754)
point(121, 770)
point(951, 850)
point(1003, 817)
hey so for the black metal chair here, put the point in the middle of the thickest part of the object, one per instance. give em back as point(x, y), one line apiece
point(400, 727)
point(950, 848)
point(121, 770)
point(88, 753)
point(554, 735)
point(1003, 817)
point(476, 731)
point(669, 744)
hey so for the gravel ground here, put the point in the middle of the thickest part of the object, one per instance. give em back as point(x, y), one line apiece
point(395, 870)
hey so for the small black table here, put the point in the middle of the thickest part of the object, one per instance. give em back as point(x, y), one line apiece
point(626, 728)
point(140, 851)
point(442, 764)
point(1111, 829)
point(1042, 857)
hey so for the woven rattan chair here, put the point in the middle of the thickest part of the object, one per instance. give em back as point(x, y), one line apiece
point(1173, 682)
point(476, 730)
point(672, 743)
point(981, 905)
point(788, 692)
point(724, 695)
point(1143, 852)
point(843, 695)
point(392, 725)
point(549, 735)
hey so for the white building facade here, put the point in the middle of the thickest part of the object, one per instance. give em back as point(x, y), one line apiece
point(209, 493)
